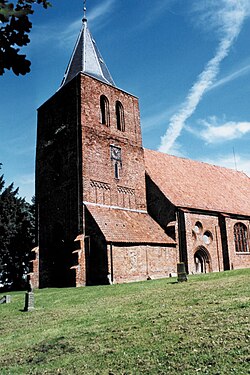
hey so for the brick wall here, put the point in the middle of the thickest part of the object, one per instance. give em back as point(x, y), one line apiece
point(237, 260)
point(99, 182)
point(138, 262)
point(58, 185)
point(195, 240)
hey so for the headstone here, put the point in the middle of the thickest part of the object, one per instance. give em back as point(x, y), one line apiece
point(181, 272)
point(29, 301)
point(29, 304)
point(5, 299)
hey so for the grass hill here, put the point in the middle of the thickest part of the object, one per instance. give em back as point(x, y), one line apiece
point(152, 327)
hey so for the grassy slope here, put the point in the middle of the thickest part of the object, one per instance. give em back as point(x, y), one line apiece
point(154, 327)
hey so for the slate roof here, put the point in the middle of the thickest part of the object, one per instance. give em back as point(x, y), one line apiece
point(124, 226)
point(86, 58)
point(198, 185)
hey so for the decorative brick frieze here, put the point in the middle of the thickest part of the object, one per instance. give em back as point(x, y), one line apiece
point(125, 190)
point(99, 185)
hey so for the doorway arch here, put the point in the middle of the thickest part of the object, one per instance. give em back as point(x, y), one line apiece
point(202, 260)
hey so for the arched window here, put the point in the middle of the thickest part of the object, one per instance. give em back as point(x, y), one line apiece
point(104, 105)
point(198, 228)
point(119, 116)
point(207, 237)
point(240, 238)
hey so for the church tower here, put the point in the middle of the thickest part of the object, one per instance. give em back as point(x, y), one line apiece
point(89, 171)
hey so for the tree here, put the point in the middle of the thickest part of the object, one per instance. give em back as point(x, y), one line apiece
point(14, 30)
point(17, 234)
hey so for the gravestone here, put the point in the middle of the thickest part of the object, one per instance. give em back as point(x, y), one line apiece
point(5, 299)
point(29, 304)
point(29, 301)
point(181, 272)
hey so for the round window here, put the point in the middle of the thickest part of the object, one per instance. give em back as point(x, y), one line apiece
point(207, 238)
point(198, 227)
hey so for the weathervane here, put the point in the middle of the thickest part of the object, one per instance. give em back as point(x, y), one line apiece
point(84, 11)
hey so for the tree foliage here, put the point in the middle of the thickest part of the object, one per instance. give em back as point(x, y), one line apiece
point(15, 27)
point(17, 234)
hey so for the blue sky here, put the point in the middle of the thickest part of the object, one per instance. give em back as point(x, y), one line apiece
point(188, 61)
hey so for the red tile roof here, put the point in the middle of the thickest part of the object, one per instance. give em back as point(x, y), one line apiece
point(198, 185)
point(119, 225)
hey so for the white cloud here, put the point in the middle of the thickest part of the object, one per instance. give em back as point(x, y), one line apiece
point(155, 121)
point(215, 131)
point(219, 16)
point(228, 18)
point(239, 162)
point(177, 150)
point(101, 10)
point(153, 14)
point(231, 77)
point(66, 36)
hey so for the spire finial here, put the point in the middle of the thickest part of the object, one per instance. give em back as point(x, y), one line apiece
point(84, 11)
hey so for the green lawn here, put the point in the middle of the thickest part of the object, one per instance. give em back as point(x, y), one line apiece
point(152, 327)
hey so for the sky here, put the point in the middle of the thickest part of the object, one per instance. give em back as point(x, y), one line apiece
point(187, 61)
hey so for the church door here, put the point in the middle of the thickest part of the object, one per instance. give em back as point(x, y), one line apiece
point(202, 260)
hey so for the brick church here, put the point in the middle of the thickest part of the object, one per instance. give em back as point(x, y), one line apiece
point(110, 211)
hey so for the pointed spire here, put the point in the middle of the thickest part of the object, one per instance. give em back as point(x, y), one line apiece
point(86, 57)
point(84, 11)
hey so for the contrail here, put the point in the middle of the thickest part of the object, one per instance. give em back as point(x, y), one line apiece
point(232, 16)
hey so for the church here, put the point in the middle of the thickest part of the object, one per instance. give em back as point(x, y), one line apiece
point(110, 211)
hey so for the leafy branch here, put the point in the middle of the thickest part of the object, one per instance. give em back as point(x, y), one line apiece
point(14, 30)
